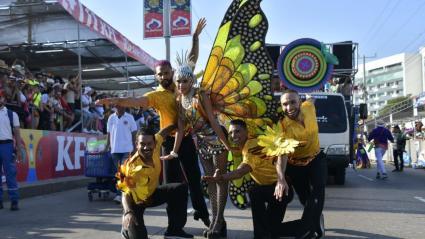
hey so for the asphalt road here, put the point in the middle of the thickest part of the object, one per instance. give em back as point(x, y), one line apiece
point(363, 208)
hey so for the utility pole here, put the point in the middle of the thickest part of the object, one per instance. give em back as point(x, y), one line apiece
point(365, 93)
point(167, 33)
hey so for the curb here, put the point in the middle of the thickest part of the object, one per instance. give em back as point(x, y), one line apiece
point(43, 187)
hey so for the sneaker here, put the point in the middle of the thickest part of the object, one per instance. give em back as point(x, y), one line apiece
point(177, 234)
point(378, 175)
point(1, 205)
point(384, 176)
point(117, 199)
point(84, 130)
point(14, 206)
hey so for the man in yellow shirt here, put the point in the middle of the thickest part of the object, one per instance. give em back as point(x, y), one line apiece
point(270, 194)
point(306, 167)
point(139, 179)
point(163, 100)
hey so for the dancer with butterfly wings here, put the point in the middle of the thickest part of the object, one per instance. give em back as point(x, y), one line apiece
point(236, 85)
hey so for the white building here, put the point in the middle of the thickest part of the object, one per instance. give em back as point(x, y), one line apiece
point(390, 77)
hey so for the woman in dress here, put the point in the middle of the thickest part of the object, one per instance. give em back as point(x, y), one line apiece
point(197, 118)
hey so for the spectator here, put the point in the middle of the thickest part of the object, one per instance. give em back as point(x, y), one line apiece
point(9, 131)
point(47, 111)
point(398, 148)
point(88, 117)
point(121, 129)
point(419, 134)
point(380, 137)
point(72, 90)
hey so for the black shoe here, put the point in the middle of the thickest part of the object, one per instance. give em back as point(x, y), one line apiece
point(1, 205)
point(321, 230)
point(177, 234)
point(378, 175)
point(14, 206)
point(205, 219)
point(218, 234)
point(384, 176)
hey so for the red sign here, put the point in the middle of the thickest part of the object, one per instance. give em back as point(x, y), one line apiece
point(153, 18)
point(88, 18)
point(50, 154)
point(180, 21)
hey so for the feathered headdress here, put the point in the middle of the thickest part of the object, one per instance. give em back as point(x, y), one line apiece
point(184, 67)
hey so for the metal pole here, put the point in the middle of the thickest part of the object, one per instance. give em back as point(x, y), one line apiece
point(126, 75)
point(365, 88)
point(79, 74)
point(167, 33)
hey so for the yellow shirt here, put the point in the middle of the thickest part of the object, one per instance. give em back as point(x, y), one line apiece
point(309, 132)
point(146, 177)
point(263, 170)
point(164, 102)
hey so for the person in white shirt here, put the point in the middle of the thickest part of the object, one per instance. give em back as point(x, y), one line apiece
point(9, 133)
point(89, 118)
point(122, 129)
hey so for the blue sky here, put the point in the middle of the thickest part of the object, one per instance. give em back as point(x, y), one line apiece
point(381, 27)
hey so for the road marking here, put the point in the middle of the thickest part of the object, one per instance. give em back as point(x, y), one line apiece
point(367, 178)
point(420, 199)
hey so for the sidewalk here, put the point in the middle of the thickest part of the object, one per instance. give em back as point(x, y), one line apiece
point(48, 186)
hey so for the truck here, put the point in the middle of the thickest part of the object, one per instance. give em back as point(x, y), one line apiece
point(334, 132)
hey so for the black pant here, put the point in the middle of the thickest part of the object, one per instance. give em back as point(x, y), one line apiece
point(188, 159)
point(309, 183)
point(398, 155)
point(267, 212)
point(175, 195)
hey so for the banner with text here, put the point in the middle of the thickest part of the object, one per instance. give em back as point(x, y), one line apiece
point(180, 18)
point(51, 154)
point(89, 19)
point(153, 18)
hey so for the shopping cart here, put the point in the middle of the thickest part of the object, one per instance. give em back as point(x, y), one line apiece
point(99, 165)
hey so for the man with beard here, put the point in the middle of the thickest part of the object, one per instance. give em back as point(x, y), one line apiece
point(139, 179)
point(306, 169)
point(163, 100)
point(270, 194)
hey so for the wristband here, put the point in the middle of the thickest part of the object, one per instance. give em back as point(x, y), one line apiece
point(174, 154)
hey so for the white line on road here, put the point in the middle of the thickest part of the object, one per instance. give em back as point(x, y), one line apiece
point(367, 178)
point(420, 199)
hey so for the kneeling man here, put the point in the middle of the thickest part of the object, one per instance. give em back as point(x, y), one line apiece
point(270, 194)
point(139, 179)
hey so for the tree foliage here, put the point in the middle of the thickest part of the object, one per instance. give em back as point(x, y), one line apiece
point(391, 103)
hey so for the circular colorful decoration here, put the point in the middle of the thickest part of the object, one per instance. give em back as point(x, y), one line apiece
point(302, 66)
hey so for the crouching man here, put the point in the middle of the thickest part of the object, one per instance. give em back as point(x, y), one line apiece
point(270, 194)
point(139, 179)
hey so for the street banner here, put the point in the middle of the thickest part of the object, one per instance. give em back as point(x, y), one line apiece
point(153, 18)
point(180, 18)
point(51, 154)
point(89, 19)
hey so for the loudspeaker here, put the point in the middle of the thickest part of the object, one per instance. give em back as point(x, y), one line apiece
point(344, 52)
point(274, 52)
point(363, 111)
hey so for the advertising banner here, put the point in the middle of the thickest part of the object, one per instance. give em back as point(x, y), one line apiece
point(180, 18)
point(52, 154)
point(153, 19)
point(89, 19)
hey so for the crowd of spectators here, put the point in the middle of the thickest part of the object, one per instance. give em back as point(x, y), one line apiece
point(48, 102)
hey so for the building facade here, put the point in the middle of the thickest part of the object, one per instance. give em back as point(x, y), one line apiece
point(388, 78)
